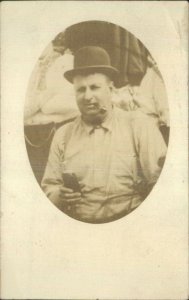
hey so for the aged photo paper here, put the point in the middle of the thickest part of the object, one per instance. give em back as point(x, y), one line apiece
point(94, 176)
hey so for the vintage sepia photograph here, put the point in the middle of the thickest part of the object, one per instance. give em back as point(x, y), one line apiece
point(96, 121)
point(94, 150)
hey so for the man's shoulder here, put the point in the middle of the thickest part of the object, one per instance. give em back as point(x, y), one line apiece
point(65, 129)
point(135, 118)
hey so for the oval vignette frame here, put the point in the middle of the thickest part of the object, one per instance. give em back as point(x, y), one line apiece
point(47, 109)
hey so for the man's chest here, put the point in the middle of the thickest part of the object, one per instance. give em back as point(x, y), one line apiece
point(100, 156)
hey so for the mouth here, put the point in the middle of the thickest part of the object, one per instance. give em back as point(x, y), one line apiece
point(92, 106)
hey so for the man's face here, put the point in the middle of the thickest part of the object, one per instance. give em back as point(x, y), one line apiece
point(93, 94)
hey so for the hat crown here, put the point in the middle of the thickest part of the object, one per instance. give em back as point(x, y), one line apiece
point(91, 59)
point(91, 56)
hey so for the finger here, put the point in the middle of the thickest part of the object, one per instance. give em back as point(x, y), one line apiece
point(73, 200)
point(72, 195)
point(64, 189)
point(78, 204)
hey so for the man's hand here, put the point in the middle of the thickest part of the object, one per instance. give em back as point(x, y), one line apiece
point(69, 196)
point(65, 198)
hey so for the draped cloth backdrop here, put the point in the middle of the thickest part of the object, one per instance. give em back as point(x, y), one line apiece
point(127, 53)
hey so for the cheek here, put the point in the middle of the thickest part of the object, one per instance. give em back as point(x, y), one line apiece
point(79, 101)
point(78, 98)
point(105, 96)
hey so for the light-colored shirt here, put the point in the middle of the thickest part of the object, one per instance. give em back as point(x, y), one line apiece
point(113, 163)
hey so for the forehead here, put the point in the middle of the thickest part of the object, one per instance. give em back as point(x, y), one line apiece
point(96, 78)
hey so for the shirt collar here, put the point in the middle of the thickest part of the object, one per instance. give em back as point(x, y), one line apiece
point(107, 124)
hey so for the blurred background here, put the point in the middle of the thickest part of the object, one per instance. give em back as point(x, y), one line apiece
point(50, 101)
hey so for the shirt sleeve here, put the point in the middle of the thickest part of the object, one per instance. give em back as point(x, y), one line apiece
point(150, 146)
point(52, 179)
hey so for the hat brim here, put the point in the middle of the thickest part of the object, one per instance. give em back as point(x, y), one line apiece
point(107, 70)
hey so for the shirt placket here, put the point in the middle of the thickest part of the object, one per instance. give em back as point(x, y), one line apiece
point(98, 171)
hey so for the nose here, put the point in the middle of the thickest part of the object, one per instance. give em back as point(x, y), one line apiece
point(88, 94)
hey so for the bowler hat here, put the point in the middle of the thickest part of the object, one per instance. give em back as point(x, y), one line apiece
point(91, 59)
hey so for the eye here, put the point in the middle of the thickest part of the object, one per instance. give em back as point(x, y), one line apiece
point(81, 90)
point(95, 87)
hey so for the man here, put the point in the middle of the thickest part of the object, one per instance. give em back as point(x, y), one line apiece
point(115, 155)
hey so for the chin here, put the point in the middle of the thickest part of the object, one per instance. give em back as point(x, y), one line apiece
point(94, 117)
point(92, 112)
